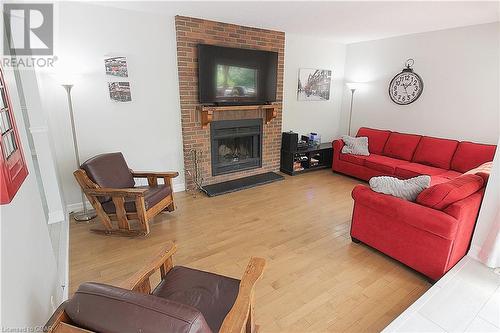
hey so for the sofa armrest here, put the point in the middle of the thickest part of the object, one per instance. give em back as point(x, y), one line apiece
point(418, 216)
point(337, 145)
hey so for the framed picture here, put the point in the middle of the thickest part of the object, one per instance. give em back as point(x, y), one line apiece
point(116, 66)
point(314, 84)
point(119, 91)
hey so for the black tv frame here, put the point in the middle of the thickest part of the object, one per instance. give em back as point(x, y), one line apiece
point(211, 55)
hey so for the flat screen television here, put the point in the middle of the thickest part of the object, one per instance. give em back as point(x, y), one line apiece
point(230, 76)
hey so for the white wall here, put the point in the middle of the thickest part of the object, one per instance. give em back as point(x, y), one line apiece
point(28, 263)
point(459, 68)
point(147, 130)
point(313, 116)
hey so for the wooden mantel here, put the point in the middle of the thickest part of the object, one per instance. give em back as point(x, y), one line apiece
point(207, 112)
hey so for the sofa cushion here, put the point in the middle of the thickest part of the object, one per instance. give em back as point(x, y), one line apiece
point(470, 155)
point(153, 195)
point(102, 308)
point(401, 146)
point(438, 180)
point(376, 139)
point(450, 174)
point(410, 170)
point(382, 163)
point(442, 195)
point(213, 295)
point(435, 152)
point(356, 159)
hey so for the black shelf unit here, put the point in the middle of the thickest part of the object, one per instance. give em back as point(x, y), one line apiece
point(322, 153)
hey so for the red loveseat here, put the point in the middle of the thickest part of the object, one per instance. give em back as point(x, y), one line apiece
point(432, 234)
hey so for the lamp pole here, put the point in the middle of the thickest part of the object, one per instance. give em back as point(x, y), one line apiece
point(350, 113)
point(85, 214)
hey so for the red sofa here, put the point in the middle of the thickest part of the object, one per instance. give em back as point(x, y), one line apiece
point(432, 234)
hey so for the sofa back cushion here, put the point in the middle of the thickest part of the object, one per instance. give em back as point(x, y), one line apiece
point(103, 308)
point(401, 146)
point(376, 139)
point(470, 155)
point(435, 152)
point(442, 195)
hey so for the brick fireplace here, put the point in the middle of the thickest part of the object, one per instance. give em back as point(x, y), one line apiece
point(243, 157)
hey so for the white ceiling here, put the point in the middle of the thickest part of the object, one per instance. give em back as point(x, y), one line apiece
point(343, 21)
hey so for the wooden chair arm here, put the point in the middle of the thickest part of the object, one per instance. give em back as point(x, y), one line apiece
point(162, 261)
point(115, 192)
point(145, 174)
point(237, 319)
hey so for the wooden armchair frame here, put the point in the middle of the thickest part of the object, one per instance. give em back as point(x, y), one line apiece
point(240, 318)
point(93, 192)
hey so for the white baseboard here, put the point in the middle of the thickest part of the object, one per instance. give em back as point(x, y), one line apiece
point(75, 207)
point(179, 187)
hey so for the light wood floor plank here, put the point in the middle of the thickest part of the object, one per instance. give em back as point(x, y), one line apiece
point(316, 279)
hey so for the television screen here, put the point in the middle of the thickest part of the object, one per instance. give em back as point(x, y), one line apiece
point(230, 76)
point(234, 81)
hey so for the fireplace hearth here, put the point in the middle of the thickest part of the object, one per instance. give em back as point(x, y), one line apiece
point(236, 145)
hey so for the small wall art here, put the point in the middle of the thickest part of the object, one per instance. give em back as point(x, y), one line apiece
point(116, 66)
point(314, 84)
point(120, 91)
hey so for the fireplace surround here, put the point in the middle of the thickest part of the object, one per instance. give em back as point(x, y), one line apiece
point(236, 145)
point(197, 121)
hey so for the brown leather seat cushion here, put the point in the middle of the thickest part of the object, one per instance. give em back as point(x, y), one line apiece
point(151, 197)
point(213, 295)
point(109, 170)
point(103, 308)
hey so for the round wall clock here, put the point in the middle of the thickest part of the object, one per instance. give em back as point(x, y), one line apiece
point(407, 86)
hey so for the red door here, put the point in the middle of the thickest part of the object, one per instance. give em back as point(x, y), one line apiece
point(12, 163)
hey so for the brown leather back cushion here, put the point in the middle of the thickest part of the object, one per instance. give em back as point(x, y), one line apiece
point(109, 170)
point(103, 308)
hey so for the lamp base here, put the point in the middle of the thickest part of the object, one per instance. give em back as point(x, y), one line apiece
point(84, 216)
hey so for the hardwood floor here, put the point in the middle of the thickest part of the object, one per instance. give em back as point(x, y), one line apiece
point(316, 279)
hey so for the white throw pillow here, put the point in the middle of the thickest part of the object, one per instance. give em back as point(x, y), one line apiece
point(355, 146)
point(407, 189)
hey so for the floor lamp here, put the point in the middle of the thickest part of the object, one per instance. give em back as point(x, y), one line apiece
point(352, 86)
point(85, 214)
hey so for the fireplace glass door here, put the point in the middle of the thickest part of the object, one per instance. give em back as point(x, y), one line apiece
point(236, 145)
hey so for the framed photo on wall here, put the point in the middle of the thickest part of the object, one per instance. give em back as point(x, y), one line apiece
point(116, 66)
point(314, 84)
point(120, 91)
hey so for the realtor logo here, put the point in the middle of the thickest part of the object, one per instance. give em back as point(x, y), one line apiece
point(29, 29)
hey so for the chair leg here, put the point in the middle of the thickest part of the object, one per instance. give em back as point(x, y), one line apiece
point(142, 215)
point(171, 207)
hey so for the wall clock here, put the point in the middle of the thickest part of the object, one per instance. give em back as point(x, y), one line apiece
point(407, 86)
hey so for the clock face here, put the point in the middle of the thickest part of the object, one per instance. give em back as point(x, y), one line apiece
point(405, 88)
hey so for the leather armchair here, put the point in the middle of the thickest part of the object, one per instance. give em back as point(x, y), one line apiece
point(185, 301)
point(109, 185)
